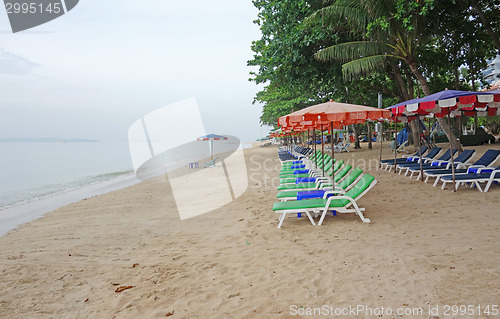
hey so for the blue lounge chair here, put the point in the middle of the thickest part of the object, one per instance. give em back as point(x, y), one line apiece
point(429, 157)
point(484, 175)
point(489, 157)
point(426, 164)
point(462, 158)
point(389, 163)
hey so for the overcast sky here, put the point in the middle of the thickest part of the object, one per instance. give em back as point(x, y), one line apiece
point(94, 71)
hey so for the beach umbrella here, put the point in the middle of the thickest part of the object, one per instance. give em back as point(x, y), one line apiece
point(335, 114)
point(211, 138)
point(339, 114)
point(442, 104)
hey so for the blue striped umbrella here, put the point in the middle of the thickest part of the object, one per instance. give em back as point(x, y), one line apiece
point(211, 138)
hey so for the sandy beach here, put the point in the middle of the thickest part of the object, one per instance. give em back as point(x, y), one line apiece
point(425, 249)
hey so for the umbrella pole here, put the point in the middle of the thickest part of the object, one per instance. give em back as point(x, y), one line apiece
point(395, 141)
point(333, 156)
point(322, 152)
point(420, 148)
point(212, 150)
point(308, 137)
point(451, 152)
point(381, 140)
point(314, 142)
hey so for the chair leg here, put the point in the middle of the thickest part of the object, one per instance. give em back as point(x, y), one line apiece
point(281, 219)
point(436, 181)
point(323, 216)
point(310, 218)
point(359, 213)
point(487, 187)
point(444, 185)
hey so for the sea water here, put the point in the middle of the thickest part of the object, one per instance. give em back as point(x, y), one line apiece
point(30, 171)
point(36, 178)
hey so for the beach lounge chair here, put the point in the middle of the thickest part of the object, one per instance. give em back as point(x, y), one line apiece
point(339, 175)
point(293, 170)
point(339, 203)
point(211, 163)
point(340, 147)
point(311, 185)
point(312, 173)
point(344, 184)
point(442, 164)
point(484, 175)
point(401, 148)
point(426, 161)
point(429, 157)
point(489, 157)
point(389, 163)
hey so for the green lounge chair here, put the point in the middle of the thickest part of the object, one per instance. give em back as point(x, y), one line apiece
point(344, 184)
point(311, 185)
point(341, 204)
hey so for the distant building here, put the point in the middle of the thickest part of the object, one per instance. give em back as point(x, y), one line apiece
point(492, 72)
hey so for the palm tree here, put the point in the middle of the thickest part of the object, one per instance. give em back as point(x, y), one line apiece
point(387, 40)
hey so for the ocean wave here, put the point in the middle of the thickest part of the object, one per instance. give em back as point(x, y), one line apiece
point(31, 195)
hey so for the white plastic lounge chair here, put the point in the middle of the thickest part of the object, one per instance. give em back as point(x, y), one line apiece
point(310, 185)
point(343, 185)
point(341, 147)
point(442, 163)
point(211, 163)
point(489, 157)
point(388, 164)
point(341, 204)
point(425, 159)
point(484, 175)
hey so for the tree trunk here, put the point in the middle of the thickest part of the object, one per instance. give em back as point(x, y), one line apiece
point(457, 78)
point(414, 133)
point(486, 25)
point(411, 90)
point(447, 130)
point(401, 83)
point(420, 77)
point(356, 136)
point(425, 87)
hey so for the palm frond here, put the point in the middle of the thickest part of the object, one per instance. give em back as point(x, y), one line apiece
point(354, 15)
point(352, 51)
point(364, 66)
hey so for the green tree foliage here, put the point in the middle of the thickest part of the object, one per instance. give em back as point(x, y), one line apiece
point(285, 59)
point(401, 48)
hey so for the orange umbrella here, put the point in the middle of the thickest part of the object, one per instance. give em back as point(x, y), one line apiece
point(335, 114)
point(343, 113)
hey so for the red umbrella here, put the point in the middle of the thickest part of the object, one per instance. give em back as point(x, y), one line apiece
point(450, 102)
point(335, 114)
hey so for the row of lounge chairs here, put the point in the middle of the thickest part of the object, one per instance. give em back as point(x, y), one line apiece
point(304, 189)
point(473, 174)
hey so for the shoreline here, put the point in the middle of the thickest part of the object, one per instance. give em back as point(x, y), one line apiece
point(15, 215)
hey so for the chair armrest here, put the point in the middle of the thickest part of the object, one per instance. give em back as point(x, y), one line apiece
point(488, 170)
point(475, 166)
point(336, 191)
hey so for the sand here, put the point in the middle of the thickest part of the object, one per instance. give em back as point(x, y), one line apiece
point(424, 248)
